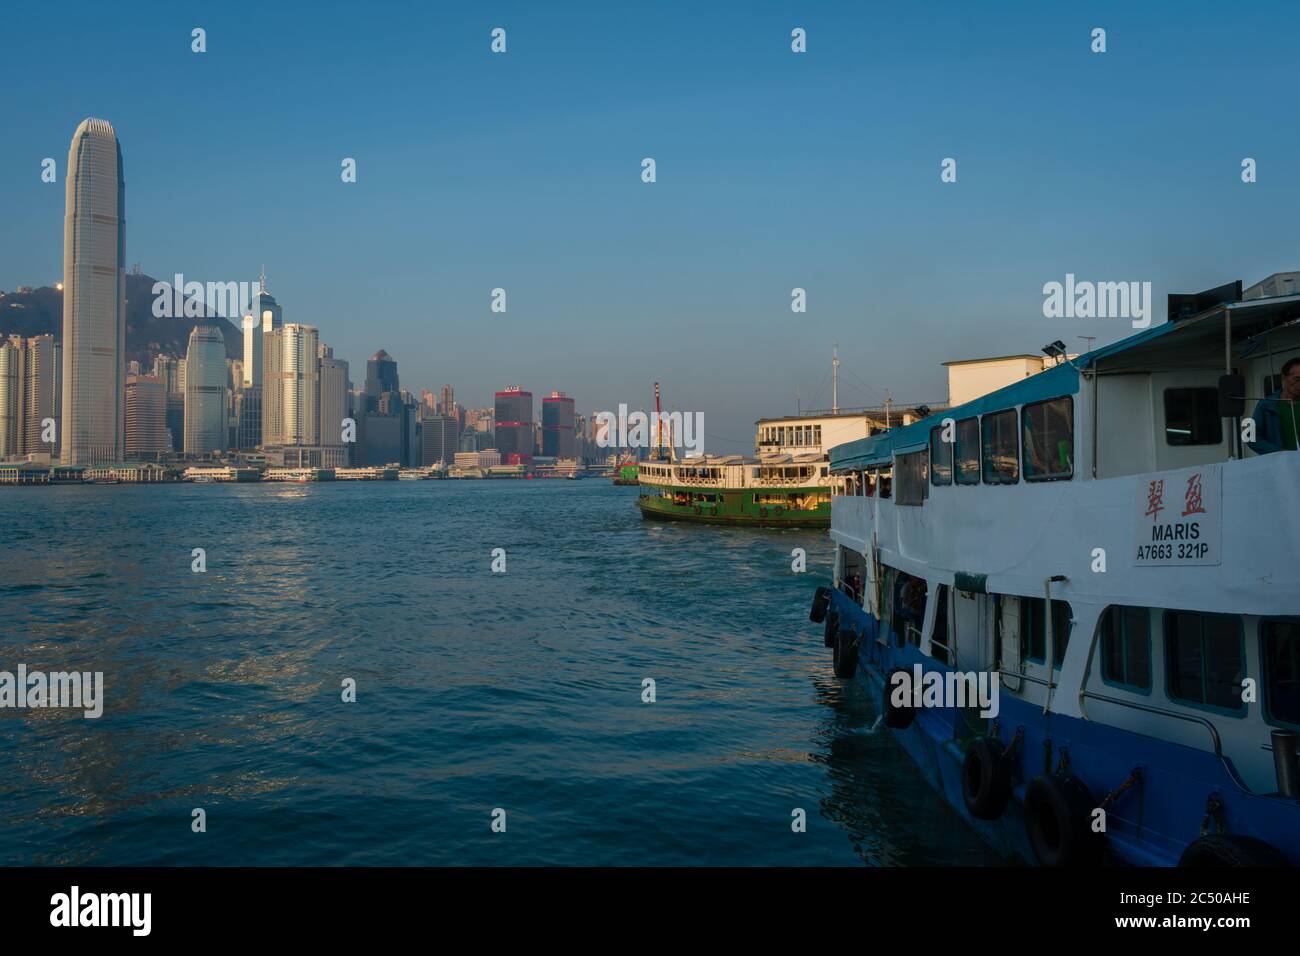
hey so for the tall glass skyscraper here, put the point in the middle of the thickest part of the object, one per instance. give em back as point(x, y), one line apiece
point(205, 391)
point(94, 296)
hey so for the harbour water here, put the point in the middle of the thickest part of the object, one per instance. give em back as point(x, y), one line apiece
point(475, 690)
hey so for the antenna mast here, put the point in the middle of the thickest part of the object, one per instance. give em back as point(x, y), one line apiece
point(835, 379)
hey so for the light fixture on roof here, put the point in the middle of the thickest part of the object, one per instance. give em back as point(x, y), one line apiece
point(1055, 349)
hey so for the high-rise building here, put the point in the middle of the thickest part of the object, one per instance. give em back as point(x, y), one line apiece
point(29, 396)
point(300, 396)
point(146, 417)
point(557, 426)
point(205, 391)
point(11, 397)
point(272, 382)
point(438, 440)
point(448, 406)
point(94, 298)
point(513, 417)
point(334, 405)
point(381, 377)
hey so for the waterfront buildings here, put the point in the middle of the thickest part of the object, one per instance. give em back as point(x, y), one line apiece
point(205, 392)
point(334, 408)
point(94, 280)
point(557, 426)
point(146, 418)
point(30, 396)
point(438, 440)
point(513, 416)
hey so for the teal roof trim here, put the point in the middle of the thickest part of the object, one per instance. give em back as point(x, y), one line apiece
point(1053, 383)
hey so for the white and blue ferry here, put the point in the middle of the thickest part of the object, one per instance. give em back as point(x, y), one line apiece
point(1115, 539)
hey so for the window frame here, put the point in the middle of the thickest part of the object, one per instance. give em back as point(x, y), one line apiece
point(934, 471)
point(1240, 713)
point(1024, 419)
point(1123, 634)
point(1266, 671)
point(1218, 422)
point(979, 462)
point(984, 447)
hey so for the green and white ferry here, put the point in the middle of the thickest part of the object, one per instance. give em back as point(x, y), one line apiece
point(787, 483)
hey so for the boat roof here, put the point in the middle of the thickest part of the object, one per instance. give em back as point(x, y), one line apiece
point(1199, 340)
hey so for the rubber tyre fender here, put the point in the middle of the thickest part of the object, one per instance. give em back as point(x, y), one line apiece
point(1230, 850)
point(832, 626)
point(986, 778)
point(1058, 820)
point(845, 661)
point(821, 601)
point(900, 718)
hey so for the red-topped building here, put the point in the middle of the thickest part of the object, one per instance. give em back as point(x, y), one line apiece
point(514, 425)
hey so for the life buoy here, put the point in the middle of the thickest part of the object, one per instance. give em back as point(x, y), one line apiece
point(1229, 849)
point(845, 661)
point(900, 718)
point(985, 778)
point(1058, 818)
point(821, 601)
point(832, 625)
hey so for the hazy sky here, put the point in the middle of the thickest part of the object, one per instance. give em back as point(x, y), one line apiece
point(775, 170)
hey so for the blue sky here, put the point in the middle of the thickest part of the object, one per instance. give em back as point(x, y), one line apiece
point(775, 170)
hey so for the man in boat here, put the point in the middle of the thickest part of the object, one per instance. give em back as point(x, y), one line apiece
point(1275, 416)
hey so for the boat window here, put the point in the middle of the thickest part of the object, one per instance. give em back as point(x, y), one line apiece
point(1048, 430)
point(966, 452)
point(1282, 670)
point(1192, 416)
point(1033, 630)
point(1001, 448)
point(910, 469)
point(940, 457)
point(1205, 659)
point(1126, 647)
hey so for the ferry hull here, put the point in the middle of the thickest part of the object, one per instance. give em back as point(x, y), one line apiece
point(733, 510)
point(1179, 790)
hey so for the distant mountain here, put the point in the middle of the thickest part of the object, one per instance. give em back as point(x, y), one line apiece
point(40, 311)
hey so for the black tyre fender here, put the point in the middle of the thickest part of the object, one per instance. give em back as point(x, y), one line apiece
point(1058, 820)
point(846, 653)
point(894, 716)
point(1230, 850)
point(832, 627)
point(821, 601)
point(986, 778)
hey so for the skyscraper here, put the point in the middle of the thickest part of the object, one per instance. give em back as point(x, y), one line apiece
point(205, 391)
point(94, 283)
point(381, 377)
point(557, 426)
point(11, 404)
point(146, 417)
point(334, 407)
point(514, 425)
point(42, 394)
point(300, 397)
point(438, 440)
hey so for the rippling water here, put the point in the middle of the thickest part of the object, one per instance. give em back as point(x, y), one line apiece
point(474, 690)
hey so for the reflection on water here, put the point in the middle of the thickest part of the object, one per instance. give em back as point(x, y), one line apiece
point(520, 690)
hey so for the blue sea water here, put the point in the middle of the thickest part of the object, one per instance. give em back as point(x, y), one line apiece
point(475, 691)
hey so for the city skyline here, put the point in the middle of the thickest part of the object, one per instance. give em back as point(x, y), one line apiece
point(819, 171)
